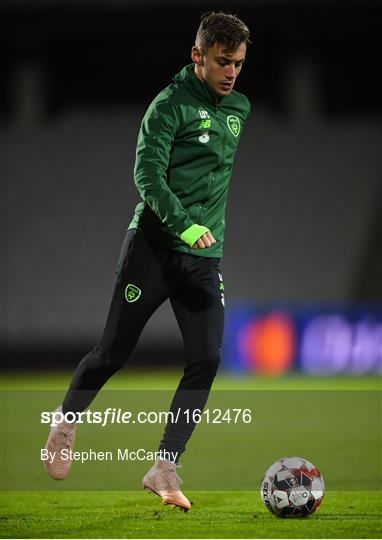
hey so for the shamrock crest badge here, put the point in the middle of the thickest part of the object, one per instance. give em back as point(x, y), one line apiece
point(233, 123)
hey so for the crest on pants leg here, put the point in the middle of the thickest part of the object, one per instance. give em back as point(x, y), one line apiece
point(132, 293)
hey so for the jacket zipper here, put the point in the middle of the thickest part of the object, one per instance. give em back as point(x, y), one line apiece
point(212, 176)
point(212, 180)
point(224, 131)
point(199, 214)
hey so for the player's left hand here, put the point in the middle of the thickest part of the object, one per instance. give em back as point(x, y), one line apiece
point(206, 240)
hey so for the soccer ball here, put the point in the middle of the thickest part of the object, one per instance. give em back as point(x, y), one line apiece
point(292, 487)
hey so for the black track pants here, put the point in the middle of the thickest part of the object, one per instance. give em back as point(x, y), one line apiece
point(148, 274)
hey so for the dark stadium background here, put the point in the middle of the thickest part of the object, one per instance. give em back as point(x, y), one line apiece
point(304, 220)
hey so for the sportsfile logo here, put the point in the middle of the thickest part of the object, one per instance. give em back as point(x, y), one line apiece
point(119, 416)
point(111, 415)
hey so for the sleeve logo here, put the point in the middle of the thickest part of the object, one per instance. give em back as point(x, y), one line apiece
point(233, 124)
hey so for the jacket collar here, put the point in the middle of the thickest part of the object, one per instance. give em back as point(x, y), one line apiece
point(197, 87)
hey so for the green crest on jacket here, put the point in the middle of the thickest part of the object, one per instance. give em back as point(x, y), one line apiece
point(233, 123)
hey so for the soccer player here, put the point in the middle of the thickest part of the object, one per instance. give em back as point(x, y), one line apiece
point(173, 246)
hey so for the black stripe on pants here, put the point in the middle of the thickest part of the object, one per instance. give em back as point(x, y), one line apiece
point(148, 274)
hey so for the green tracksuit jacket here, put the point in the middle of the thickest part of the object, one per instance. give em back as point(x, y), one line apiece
point(184, 157)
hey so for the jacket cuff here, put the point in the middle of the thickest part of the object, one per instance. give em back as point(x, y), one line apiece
point(193, 233)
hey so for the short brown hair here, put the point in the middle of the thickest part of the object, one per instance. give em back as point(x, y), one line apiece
point(223, 28)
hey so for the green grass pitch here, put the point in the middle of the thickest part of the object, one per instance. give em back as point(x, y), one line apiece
point(215, 514)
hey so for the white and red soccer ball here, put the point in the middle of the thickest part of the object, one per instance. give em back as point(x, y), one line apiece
point(292, 487)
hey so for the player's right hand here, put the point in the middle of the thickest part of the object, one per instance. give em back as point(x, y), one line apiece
point(206, 240)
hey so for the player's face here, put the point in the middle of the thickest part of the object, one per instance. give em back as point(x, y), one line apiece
point(218, 67)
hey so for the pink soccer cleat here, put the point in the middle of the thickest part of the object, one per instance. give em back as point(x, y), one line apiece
point(61, 437)
point(162, 480)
